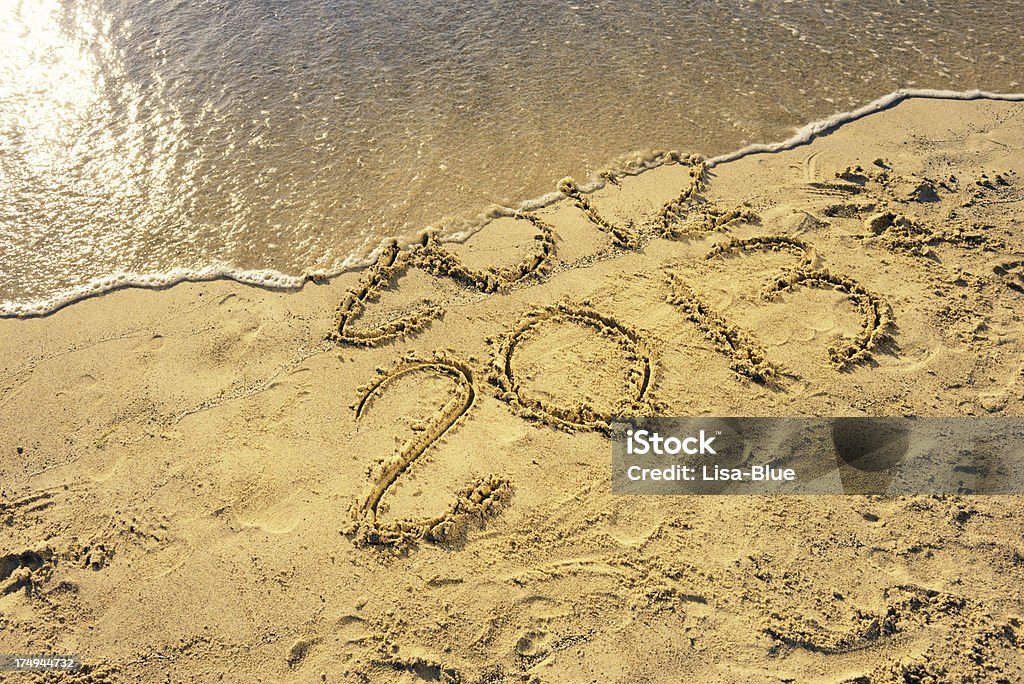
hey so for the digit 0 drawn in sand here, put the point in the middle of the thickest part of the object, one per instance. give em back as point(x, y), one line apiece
point(435, 259)
point(580, 416)
point(775, 243)
point(877, 314)
point(480, 499)
point(391, 264)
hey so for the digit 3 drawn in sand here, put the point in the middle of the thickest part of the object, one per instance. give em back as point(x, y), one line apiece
point(877, 315)
point(434, 258)
point(748, 358)
point(476, 501)
point(391, 264)
point(580, 416)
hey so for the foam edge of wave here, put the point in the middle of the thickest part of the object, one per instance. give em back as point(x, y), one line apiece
point(629, 165)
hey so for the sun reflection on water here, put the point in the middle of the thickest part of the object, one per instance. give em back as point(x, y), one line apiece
point(75, 152)
point(49, 78)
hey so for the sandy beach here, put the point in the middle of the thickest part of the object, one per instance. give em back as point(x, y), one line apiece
point(401, 474)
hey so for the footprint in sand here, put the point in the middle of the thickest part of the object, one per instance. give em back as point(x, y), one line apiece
point(1011, 273)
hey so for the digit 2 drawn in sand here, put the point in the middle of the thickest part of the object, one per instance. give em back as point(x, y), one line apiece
point(581, 416)
point(476, 501)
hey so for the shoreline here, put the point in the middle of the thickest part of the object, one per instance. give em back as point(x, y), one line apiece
point(403, 474)
point(276, 280)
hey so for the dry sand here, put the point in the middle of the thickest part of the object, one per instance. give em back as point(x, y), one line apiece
point(196, 485)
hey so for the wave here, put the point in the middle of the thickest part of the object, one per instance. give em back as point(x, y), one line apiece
point(628, 166)
point(265, 278)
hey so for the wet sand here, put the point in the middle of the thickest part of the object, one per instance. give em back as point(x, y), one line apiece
point(402, 474)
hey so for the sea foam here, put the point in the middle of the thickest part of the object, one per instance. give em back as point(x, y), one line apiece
point(635, 165)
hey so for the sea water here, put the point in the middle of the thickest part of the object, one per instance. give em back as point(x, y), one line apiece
point(151, 142)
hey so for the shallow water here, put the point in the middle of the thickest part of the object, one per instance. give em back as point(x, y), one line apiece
point(196, 138)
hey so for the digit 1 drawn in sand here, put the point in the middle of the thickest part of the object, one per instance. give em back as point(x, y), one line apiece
point(480, 499)
point(581, 416)
point(433, 258)
point(391, 264)
point(877, 314)
point(747, 358)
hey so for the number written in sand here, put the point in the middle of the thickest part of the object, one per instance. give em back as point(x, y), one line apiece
point(581, 416)
point(748, 358)
point(431, 256)
point(482, 497)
